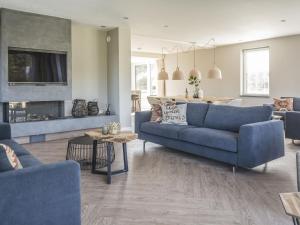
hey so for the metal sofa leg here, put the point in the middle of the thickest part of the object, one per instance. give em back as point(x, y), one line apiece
point(265, 167)
point(144, 145)
point(234, 169)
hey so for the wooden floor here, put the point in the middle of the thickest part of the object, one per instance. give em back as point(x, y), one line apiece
point(164, 186)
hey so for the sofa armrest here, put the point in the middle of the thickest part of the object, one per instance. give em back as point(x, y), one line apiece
point(292, 124)
point(45, 194)
point(141, 117)
point(259, 143)
point(5, 132)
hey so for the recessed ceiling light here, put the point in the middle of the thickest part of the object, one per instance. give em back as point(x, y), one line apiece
point(125, 18)
point(166, 26)
point(283, 21)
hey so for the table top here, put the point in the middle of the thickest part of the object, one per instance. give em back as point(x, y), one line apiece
point(122, 137)
point(291, 203)
point(190, 99)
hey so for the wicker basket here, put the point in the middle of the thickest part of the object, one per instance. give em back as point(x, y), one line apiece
point(79, 108)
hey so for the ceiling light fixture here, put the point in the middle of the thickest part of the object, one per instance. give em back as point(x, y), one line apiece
point(178, 74)
point(194, 72)
point(215, 72)
point(163, 75)
point(108, 38)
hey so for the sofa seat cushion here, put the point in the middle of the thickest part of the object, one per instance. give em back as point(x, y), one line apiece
point(18, 149)
point(164, 130)
point(219, 139)
point(29, 161)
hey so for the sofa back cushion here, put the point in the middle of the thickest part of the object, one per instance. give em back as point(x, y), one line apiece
point(196, 113)
point(231, 118)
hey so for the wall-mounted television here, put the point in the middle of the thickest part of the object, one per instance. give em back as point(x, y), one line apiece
point(36, 67)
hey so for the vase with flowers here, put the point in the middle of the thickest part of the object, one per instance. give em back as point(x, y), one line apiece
point(195, 82)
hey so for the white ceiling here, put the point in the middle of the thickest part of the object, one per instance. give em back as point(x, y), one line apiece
point(228, 21)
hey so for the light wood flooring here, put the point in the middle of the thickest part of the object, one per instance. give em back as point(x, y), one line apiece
point(164, 186)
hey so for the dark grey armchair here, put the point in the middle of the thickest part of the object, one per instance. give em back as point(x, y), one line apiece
point(292, 122)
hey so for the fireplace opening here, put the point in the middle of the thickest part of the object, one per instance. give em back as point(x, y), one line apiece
point(19, 112)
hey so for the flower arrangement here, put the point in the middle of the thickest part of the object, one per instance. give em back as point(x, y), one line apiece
point(114, 128)
point(195, 81)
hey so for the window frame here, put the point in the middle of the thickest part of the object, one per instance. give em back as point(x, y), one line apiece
point(243, 80)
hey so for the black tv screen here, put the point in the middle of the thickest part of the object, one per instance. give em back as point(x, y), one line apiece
point(36, 67)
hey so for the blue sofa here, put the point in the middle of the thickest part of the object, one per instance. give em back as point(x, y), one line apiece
point(239, 136)
point(38, 194)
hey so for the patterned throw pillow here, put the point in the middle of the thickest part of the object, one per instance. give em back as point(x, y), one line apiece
point(283, 104)
point(156, 114)
point(174, 114)
point(8, 159)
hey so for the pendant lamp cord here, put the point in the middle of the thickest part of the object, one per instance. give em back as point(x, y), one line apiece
point(194, 57)
point(214, 51)
point(177, 57)
point(163, 58)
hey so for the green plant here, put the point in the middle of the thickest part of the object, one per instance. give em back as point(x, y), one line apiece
point(194, 80)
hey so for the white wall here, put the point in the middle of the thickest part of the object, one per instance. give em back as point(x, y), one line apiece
point(89, 63)
point(125, 76)
point(284, 69)
point(119, 74)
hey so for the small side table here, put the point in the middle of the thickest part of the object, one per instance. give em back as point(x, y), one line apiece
point(291, 205)
point(110, 139)
point(80, 149)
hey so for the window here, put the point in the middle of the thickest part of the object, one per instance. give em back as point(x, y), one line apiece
point(144, 78)
point(255, 74)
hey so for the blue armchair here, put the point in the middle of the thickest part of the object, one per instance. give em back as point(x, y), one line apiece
point(292, 122)
point(38, 194)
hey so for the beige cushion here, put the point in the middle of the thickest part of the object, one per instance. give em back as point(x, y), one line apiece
point(283, 104)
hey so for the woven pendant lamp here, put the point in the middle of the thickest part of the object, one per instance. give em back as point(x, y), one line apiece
point(215, 72)
point(163, 75)
point(177, 74)
point(195, 72)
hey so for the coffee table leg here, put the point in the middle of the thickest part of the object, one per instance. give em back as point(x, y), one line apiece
point(94, 155)
point(109, 147)
point(125, 157)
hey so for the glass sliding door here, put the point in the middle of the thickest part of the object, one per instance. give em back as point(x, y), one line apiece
point(144, 76)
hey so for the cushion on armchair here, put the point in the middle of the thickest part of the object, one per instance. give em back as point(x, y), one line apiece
point(283, 104)
point(8, 159)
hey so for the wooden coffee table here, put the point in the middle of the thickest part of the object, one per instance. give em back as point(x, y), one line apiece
point(110, 140)
point(291, 204)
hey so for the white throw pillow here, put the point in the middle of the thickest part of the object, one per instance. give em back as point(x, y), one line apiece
point(174, 114)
